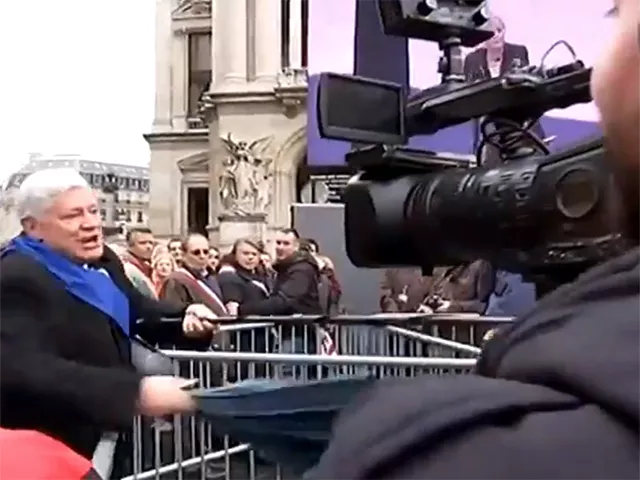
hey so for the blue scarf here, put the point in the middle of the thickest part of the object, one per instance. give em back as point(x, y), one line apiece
point(92, 286)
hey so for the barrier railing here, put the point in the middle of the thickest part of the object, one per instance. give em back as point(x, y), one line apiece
point(288, 347)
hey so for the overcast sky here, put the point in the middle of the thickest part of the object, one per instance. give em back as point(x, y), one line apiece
point(77, 76)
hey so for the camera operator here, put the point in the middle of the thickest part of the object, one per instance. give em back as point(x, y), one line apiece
point(556, 394)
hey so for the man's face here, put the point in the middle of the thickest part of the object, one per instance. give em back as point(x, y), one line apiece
point(175, 249)
point(71, 225)
point(142, 245)
point(615, 84)
point(499, 29)
point(196, 255)
point(286, 245)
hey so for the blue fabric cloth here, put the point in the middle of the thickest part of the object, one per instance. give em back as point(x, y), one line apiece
point(511, 297)
point(90, 285)
point(286, 422)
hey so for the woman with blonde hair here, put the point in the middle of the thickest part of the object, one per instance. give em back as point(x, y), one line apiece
point(162, 265)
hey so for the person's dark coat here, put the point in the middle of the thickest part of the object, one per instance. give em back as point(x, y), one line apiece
point(295, 290)
point(241, 286)
point(399, 284)
point(468, 287)
point(65, 367)
point(185, 289)
point(476, 68)
point(555, 396)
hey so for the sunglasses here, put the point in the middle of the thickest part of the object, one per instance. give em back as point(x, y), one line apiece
point(198, 252)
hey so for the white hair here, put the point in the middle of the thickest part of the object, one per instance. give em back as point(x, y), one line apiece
point(40, 189)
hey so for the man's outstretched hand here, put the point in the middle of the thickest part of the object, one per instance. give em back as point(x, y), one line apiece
point(199, 321)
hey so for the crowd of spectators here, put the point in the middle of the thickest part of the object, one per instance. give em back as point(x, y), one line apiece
point(290, 278)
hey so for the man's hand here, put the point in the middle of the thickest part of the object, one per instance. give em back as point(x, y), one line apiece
point(164, 395)
point(198, 321)
point(444, 306)
point(232, 308)
point(424, 309)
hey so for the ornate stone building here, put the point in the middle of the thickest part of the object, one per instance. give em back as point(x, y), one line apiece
point(230, 115)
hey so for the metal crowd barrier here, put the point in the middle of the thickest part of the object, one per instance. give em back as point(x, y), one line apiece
point(287, 347)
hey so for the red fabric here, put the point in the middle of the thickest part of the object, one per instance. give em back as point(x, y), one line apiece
point(144, 267)
point(28, 455)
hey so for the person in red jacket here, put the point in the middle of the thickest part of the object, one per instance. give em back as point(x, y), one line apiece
point(31, 454)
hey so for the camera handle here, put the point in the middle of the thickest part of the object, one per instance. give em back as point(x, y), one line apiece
point(451, 62)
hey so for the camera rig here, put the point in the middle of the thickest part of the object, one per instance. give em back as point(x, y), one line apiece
point(542, 214)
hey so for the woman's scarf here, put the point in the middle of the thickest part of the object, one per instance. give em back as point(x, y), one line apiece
point(91, 285)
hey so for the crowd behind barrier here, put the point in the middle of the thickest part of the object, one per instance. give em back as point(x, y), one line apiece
point(375, 346)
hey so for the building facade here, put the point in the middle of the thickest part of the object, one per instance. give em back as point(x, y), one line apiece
point(123, 190)
point(230, 116)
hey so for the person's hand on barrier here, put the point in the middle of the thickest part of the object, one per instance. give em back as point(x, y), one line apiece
point(164, 395)
point(425, 309)
point(198, 321)
point(232, 308)
point(444, 306)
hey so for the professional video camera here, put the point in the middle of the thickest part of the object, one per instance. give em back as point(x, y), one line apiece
point(538, 213)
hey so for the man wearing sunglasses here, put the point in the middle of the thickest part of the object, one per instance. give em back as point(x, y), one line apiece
point(194, 282)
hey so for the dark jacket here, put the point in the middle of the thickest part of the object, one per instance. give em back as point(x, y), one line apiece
point(556, 396)
point(65, 367)
point(244, 287)
point(181, 289)
point(467, 287)
point(476, 68)
point(398, 282)
point(240, 286)
point(295, 289)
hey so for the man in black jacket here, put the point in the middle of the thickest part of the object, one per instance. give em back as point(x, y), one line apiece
point(67, 313)
point(556, 395)
point(295, 290)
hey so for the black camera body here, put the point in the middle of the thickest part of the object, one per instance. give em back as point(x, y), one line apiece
point(537, 213)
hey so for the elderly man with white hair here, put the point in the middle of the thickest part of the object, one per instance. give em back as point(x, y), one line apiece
point(67, 314)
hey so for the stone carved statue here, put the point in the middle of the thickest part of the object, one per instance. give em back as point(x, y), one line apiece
point(245, 180)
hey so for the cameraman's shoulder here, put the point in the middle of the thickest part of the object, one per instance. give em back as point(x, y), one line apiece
point(614, 286)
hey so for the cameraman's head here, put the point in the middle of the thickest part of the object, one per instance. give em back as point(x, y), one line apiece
point(616, 90)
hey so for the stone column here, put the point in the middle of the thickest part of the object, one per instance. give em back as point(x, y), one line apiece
point(164, 35)
point(180, 80)
point(267, 42)
point(295, 33)
point(110, 209)
point(231, 41)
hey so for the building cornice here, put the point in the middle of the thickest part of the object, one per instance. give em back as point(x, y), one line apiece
point(195, 135)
